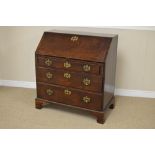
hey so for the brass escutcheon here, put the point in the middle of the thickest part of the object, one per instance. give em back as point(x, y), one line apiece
point(49, 75)
point(67, 92)
point(86, 68)
point(49, 92)
point(67, 75)
point(86, 99)
point(67, 64)
point(74, 38)
point(48, 62)
point(86, 81)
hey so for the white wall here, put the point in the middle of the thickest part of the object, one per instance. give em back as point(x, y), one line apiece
point(135, 62)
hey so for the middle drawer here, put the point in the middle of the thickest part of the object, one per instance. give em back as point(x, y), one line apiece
point(69, 79)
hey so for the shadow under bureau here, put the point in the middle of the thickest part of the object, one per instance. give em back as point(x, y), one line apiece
point(77, 69)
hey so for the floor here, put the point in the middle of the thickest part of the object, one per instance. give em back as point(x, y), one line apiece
point(17, 111)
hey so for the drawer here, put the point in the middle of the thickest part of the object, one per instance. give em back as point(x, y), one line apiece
point(70, 79)
point(69, 96)
point(69, 64)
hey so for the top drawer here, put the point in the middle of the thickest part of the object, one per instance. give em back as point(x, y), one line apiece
point(69, 64)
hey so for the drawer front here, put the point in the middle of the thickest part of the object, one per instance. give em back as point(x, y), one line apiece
point(69, 79)
point(69, 96)
point(71, 65)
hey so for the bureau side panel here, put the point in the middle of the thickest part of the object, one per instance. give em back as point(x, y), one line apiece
point(110, 72)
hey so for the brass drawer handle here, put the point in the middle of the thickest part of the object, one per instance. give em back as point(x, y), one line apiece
point(49, 92)
point(74, 38)
point(86, 99)
point(48, 62)
point(67, 92)
point(67, 64)
point(86, 68)
point(49, 75)
point(67, 75)
point(86, 81)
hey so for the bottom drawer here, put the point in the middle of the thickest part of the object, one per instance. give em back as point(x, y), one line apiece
point(69, 96)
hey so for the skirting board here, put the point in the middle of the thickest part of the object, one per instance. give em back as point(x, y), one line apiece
point(118, 92)
point(135, 93)
point(22, 84)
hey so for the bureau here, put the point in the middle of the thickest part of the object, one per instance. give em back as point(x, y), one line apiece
point(77, 69)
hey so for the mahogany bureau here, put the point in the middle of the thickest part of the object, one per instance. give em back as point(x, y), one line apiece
point(77, 69)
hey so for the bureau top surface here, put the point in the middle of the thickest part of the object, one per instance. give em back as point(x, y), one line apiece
point(75, 45)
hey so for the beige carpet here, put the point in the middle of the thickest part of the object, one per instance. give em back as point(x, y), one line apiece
point(17, 111)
